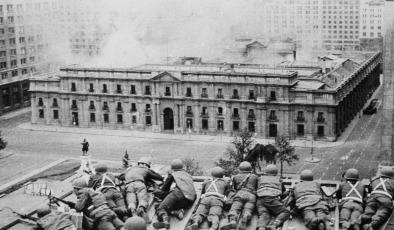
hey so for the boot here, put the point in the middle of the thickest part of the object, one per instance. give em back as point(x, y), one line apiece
point(367, 227)
point(163, 224)
point(194, 225)
point(232, 224)
point(141, 212)
point(243, 222)
point(214, 225)
point(322, 225)
point(179, 214)
point(274, 225)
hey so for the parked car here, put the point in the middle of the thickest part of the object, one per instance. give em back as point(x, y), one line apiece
point(372, 107)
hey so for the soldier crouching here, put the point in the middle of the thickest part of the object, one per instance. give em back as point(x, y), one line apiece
point(94, 205)
point(379, 204)
point(245, 184)
point(212, 200)
point(270, 188)
point(177, 192)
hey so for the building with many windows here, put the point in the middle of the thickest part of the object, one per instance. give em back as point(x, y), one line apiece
point(207, 98)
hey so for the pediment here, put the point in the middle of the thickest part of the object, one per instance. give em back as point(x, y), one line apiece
point(165, 76)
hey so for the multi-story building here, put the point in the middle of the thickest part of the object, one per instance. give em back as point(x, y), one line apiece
point(207, 98)
point(371, 24)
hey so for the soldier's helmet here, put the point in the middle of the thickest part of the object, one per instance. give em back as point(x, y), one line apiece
point(271, 170)
point(352, 174)
point(387, 172)
point(217, 172)
point(135, 223)
point(306, 175)
point(245, 167)
point(101, 168)
point(145, 160)
point(43, 210)
point(176, 165)
point(80, 183)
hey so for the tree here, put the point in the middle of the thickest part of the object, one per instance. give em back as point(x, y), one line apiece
point(286, 152)
point(237, 152)
point(192, 167)
point(3, 143)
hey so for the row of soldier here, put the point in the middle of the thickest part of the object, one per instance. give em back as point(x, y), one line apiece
point(101, 201)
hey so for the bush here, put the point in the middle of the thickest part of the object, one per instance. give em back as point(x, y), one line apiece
point(192, 167)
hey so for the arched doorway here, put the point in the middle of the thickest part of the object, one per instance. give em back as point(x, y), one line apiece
point(168, 119)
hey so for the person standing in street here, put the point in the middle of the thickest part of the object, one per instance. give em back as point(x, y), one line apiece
point(85, 147)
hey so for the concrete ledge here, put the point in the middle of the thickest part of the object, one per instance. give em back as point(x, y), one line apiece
point(4, 154)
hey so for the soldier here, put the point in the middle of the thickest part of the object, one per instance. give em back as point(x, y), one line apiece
point(269, 190)
point(379, 204)
point(351, 195)
point(136, 192)
point(135, 223)
point(94, 205)
point(53, 220)
point(309, 200)
point(177, 192)
point(245, 184)
point(105, 182)
point(212, 200)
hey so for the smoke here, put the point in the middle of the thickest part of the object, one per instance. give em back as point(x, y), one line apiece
point(153, 31)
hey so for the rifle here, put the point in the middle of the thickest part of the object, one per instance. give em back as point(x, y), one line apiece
point(23, 216)
point(55, 199)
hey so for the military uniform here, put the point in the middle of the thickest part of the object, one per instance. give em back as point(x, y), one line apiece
point(135, 178)
point(380, 203)
point(55, 221)
point(268, 203)
point(105, 184)
point(94, 205)
point(350, 195)
point(212, 200)
point(309, 200)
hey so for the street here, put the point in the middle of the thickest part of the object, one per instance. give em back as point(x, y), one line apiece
point(34, 149)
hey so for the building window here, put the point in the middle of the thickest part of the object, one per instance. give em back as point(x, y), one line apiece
point(320, 117)
point(189, 123)
point(91, 89)
point(168, 91)
point(91, 105)
point(40, 102)
point(54, 102)
point(251, 114)
point(106, 118)
point(105, 90)
point(220, 93)
point(132, 90)
point(147, 108)
point(300, 130)
point(220, 125)
point(105, 106)
point(235, 125)
point(120, 118)
point(41, 113)
point(273, 130)
point(273, 96)
point(188, 92)
point(220, 111)
point(55, 114)
point(189, 111)
point(251, 94)
point(119, 107)
point(118, 89)
point(148, 120)
point(134, 119)
point(251, 126)
point(133, 107)
point(73, 87)
point(300, 116)
point(272, 115)
point(320, 130)
point(235, 94)
point(14, 73)
point(74, 104)
point(3, 65)
point(204, 111)
point(92, 117)
point(13, 63)
point(147, 90)
point(204, 123)
point(235, 113)
point(204, 93)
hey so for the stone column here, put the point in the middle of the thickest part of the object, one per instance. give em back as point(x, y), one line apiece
point(197, 120)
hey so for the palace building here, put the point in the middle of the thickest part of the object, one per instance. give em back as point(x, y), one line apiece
point(206, 98)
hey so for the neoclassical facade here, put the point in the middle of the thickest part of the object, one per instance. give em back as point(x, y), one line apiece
point(202, 99)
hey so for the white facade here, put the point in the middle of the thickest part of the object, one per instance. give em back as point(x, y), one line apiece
point(372, 18)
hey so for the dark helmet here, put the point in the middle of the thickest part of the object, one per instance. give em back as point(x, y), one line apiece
point(351, 174)
point(176, 165)
point(245, 167)
point(101, 168)
point(217, 172)
point(145, 160)
point(43, 210)
point(271, 170)
point(80, 183)
point(306, 175)
point(135, 223)
point(387, 172)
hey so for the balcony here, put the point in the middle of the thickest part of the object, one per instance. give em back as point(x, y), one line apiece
point(74, 107)
point(189, 114)
point(219, 114)
point(272, 99)
point(189, 95)
point(204, 115)
point(55, 105)
point(252, 97)
point(133, 110)
point(204, 95)
point(92, 107)
point(105, 91)
point(235, 97)
point(220, 96)
point(119, 91)
point(321, 119)
point(167, 94)
point(119, 110)
point(73, 89)
point(148, 110)
point(40, 105)
point(251, 116)
point(91, 90)
point(147, 93)
point(133, 92)
point(105, 108)
point(299, 118)
point(235, 116)
point(273, 118)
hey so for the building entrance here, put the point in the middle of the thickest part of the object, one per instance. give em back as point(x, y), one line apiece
point(168, 119)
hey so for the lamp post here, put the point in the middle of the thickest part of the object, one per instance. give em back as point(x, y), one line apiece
point(221, 130)
point(74, 123)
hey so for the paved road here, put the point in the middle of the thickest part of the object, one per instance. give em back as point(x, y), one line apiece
point(33, 149)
